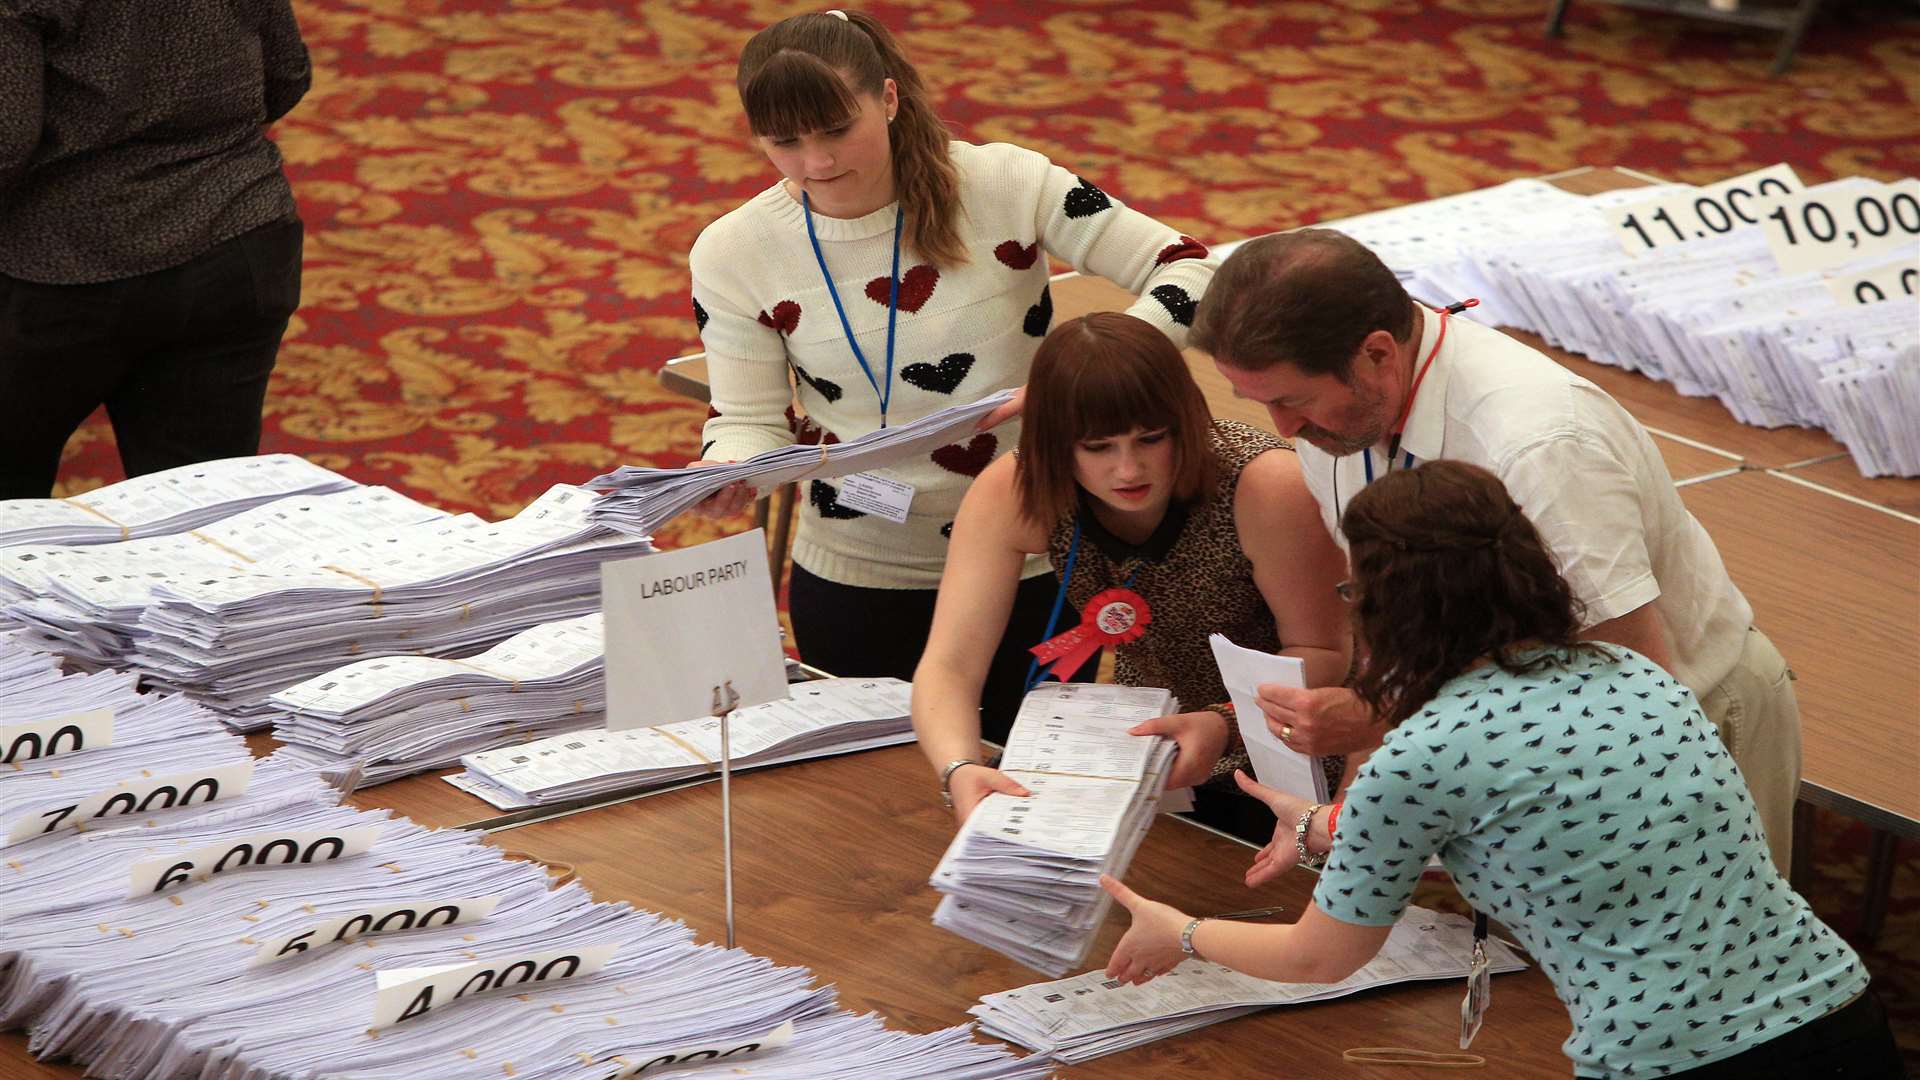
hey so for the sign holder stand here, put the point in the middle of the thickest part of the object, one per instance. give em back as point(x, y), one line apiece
point(724, 702)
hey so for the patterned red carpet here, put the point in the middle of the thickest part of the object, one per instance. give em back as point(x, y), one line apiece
point(500, 195)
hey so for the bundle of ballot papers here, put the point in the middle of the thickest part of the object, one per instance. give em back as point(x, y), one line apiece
point(819, 719)
point(640, 500)
point(269, 933)
point(1790, 304)
point(1022, 875)
point(85, 601)
point(1089, 1015)
point(396, 715)
point(170, 501)
point(439, 589)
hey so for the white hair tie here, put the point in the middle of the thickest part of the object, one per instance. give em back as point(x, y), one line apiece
point(838, 14)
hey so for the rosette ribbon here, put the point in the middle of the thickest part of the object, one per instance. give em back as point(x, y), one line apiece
point(1113, 617)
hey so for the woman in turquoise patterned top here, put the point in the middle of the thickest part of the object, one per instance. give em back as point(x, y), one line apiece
point(1574, 791)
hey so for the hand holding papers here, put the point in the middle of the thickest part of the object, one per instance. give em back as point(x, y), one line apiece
point(1022, 875)
point(1277, 765)
point(640, 500)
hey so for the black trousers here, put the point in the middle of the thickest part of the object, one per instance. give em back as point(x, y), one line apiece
point(180, 357)
point(1854, 1042)
point(854, 631)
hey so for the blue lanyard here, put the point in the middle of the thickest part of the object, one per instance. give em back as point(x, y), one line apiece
point(884, 393)
point(1366, 456)
point(1060, 600)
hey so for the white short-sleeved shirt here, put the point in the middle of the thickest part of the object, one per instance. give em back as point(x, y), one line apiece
point(1584, 471)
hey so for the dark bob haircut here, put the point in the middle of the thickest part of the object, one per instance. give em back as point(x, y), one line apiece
point(1100, 375)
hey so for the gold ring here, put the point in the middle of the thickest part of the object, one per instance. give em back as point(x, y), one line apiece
point(1286, 732)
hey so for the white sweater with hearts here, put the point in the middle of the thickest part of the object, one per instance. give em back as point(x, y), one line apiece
point(963, 332)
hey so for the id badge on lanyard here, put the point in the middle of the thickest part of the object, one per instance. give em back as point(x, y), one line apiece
point(1473, 1007)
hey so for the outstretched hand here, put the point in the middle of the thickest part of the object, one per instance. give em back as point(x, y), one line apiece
point(1151, 946)
point(1280, 855)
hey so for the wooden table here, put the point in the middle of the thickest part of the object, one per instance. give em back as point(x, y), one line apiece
point(832, 861)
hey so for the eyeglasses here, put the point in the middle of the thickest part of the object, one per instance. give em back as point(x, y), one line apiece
point(1344, 590)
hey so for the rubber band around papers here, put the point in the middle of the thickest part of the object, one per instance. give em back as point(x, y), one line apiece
point(1072, 775)
point(368, 582)
point(203, 538)
point(484, 671)
point(821, 464)
point(684, 745)
point(1427, 1059)
point(567, 871)
point(125, 533)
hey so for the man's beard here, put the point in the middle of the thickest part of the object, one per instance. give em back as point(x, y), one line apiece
point(1335, 444)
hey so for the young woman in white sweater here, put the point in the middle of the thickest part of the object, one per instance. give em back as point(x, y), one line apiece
point(891, 273)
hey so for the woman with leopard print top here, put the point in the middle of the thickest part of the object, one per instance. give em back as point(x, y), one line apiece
point(1123, 476)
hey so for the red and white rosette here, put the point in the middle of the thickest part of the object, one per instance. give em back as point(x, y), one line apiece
point(1113, 617)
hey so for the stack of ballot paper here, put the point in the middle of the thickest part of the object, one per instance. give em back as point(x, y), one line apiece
point(821, 718)
point(1779, 300)
point(396, 715)
point(174, 500)
point(1022, 875)
point(640, 500)
point(273, 934)
point(436, 589)
point(1090, 1015)
point(85, 601)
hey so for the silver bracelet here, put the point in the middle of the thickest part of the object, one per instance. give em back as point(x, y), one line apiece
point(946, 779)
point(1186, 938)
point(1307, 858)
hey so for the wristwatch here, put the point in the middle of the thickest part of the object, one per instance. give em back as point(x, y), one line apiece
point(1307, 858)
point(946, 779)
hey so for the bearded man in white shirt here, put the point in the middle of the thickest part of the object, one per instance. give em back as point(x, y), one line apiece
point(1316, 328)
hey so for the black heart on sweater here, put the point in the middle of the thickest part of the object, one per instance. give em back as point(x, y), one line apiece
point(1040, 315)
point(940, 378)
point(947, 530)
point(1086, 201)
point(826, 499)
point(829, 390)
point(1176, 301)
point(699, 316)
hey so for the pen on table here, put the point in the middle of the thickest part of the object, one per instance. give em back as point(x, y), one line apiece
point(1250, 913)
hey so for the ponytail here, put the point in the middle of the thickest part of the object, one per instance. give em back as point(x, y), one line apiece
point(793, 78)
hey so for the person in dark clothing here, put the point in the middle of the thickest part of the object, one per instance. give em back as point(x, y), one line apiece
point(149, 242)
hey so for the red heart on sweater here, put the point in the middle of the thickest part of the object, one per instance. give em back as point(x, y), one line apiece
point(916, 285)
point(1187, 248)
point(1011, 253)
point(785, 317)
point(968, 460)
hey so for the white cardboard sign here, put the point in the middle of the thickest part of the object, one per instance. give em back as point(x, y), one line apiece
point(56, 735)
point(684, 625)
point(404, 993)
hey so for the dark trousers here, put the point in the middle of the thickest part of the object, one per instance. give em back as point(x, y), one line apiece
point(1850, 1043)
point(854, 631)
point(180, 357)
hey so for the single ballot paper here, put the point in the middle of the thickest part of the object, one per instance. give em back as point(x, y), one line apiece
point(1275, 764)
